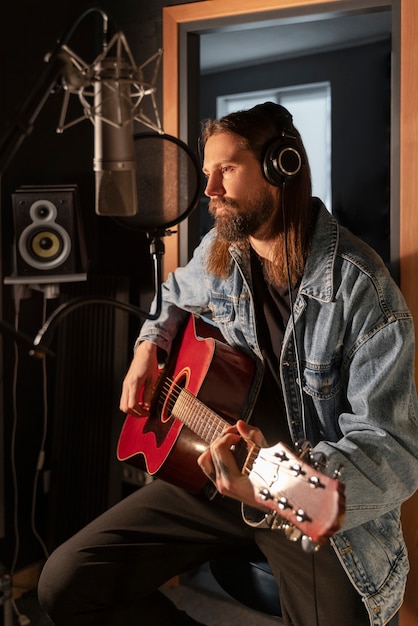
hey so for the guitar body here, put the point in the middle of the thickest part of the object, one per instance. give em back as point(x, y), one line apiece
point(202, 390)
point(218, 376)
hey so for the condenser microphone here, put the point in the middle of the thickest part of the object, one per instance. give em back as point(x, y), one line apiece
point(114, 153)
point(111, 91)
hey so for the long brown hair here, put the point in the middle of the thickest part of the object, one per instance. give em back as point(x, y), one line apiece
point(257, 128)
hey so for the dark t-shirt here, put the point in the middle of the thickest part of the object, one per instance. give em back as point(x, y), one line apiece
point(272, 309)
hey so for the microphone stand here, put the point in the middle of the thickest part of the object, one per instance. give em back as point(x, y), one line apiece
point(15, 135)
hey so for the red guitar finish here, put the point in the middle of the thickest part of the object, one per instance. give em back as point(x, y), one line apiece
point(202, 389)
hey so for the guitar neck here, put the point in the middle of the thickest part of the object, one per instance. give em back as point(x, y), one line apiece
point(205, 423)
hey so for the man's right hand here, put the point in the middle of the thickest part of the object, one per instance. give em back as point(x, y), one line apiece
point(143, 374)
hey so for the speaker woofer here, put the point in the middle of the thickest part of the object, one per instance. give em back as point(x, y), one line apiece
point(45, 249)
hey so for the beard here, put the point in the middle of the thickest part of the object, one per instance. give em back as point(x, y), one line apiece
point(239, 220)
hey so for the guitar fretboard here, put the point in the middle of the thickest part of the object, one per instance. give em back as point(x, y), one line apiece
point(204, 422)
point(197, 416)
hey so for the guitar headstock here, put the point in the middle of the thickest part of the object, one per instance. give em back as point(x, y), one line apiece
point(299, 495)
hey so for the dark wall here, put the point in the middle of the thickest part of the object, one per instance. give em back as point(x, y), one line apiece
point(360, 127)
point(119, 262)
point(119, 267)
point(28, 31)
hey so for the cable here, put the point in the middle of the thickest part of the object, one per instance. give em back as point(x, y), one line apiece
point(46, 333)
point(315, 590)
point(13, 458)
point(292, 313)
point(23, 620)
point(105, 18)
point(41, 455)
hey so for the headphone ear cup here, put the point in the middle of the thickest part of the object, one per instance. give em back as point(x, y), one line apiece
point(281, 162)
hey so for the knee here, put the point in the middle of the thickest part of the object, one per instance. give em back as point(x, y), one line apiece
point(49, 582)
point(55, 583)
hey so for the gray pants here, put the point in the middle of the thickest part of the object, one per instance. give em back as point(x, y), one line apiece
point(109, 573)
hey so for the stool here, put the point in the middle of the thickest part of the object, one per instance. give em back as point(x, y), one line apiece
point(248, 578)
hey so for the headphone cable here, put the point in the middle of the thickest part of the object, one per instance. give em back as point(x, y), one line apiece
point(292, 313)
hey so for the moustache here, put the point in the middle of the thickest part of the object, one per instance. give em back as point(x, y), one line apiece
point(224, 204)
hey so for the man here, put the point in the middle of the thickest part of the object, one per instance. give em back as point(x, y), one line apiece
point(333, 344)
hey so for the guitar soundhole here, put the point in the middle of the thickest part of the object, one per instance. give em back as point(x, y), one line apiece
point(170, 393)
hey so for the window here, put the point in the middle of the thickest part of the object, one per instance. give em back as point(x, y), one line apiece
point(310, 106)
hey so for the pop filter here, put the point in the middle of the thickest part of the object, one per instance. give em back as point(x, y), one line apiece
point(169, 183)
point(169, 188)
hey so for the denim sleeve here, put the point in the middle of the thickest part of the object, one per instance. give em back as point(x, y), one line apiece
point(378, 450)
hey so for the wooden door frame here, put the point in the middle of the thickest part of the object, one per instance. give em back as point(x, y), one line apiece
point(179, 19)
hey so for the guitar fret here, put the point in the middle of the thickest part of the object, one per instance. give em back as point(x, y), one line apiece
point(204, 422)
point(199, 418)
point(208, 425)
point(198, 424)
point(250, 458)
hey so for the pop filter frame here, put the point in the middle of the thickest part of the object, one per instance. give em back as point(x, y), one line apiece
point(169, 183)
point(171, 177)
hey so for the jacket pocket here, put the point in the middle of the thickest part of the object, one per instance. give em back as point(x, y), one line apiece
point(322, 381)
point(377, 556)
point(222, 309)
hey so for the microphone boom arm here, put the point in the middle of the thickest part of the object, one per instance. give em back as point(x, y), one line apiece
point(29, 111)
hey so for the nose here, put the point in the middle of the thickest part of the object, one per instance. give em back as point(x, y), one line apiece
point(214, 186)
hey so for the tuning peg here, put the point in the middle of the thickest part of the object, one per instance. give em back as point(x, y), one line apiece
point(315, 482)
point(265, 494)
point(319, 460)
point(281, 455)
point(308, 545)
point(283, 503)
point(301, 516)
point(297, 470)
point(291, 532)
point(274, 521)
point(303, 447)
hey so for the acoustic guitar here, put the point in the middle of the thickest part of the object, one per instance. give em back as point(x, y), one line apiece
point(202, 390)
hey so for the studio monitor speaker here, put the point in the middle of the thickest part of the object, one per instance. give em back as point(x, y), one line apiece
point(49, 240)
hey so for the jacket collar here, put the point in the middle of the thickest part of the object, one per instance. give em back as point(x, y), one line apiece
point(318, 276)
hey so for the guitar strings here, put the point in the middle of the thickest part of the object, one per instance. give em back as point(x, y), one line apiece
point(200, 418)
point(172, 392)
point(210, 425)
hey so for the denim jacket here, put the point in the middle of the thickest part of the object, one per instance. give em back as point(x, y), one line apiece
point(352, 346)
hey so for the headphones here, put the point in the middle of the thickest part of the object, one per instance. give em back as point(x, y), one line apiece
point(282, 159)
